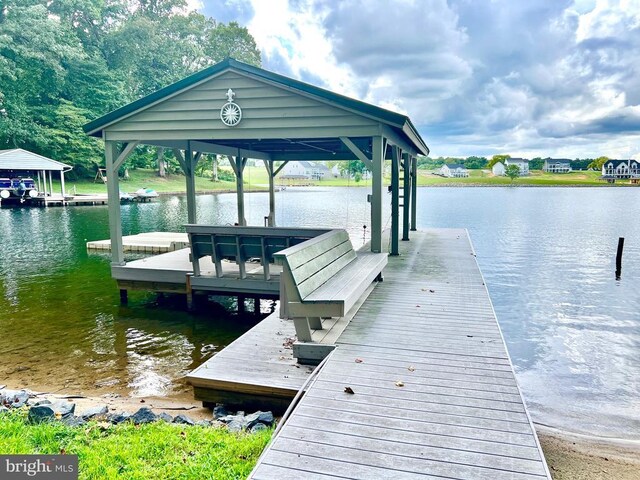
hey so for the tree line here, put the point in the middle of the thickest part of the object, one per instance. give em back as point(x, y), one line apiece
point(66, 62)
point(477, 163)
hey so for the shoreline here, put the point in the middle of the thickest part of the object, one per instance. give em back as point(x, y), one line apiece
point(569, 456)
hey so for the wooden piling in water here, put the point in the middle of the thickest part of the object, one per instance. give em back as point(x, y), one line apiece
point(619, 257)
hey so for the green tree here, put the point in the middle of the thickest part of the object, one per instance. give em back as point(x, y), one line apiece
point(497, 158)
point(512, 171)
point(354, 168)
point(536, 163)
point(598, 163)
point(475, 162)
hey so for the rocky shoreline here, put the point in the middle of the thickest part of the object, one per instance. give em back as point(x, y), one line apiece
point(49, 408)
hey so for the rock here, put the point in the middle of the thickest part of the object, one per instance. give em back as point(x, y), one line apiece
point(259, 417)
point(165, 417)
point(3, 409)
point(117, 418)
point(95, 412)
point(13, 398)
point(203, 423)
point(258, 427)
point(235, 425)
point(41, 413)
point(144, 415)
point(219, 411)
point(183, 419)
point(73, 421)
point(226, 418)
point(63, 409)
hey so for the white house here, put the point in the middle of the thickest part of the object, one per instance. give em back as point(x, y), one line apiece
point(523, 164)
point(498, 169)
point(557, 165)
point(304, 170)
point(613, 169)
point(454, 170)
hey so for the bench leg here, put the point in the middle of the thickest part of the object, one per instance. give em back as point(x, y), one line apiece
point(303, 332)
point(315, 323)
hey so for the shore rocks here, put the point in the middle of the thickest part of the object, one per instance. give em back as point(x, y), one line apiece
point(45, 410)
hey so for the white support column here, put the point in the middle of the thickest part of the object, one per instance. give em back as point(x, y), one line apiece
point(50, 183)
point(377, 182)
point(39, 184)
point(113, 202)
point(62, 183)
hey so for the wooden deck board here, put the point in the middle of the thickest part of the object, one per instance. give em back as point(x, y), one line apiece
point(459, 413)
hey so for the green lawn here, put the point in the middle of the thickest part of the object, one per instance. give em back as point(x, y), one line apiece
point(128, 452)
point(535, 178)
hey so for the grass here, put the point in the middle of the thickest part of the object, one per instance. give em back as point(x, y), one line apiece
point(128, 452)
point(535, 178)
point(256, 179)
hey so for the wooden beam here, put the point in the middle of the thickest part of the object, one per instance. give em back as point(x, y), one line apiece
point(279, 169)
point(189, 163)
point(395, 139)
point(127, 148)
point(395, 198)
point(113, 202)
point(406, 192)
point(357, 152)
point(180, 158)
point(379, 147)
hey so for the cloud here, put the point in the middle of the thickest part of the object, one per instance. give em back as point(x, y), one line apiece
point(543, 78)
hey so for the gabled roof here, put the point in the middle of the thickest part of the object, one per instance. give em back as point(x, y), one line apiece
point(517, 160)
point(382, 115)
point(558, 160)
point(454, 165)
point(19, 159)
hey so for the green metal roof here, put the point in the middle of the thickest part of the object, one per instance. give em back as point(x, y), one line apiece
point(397, 120)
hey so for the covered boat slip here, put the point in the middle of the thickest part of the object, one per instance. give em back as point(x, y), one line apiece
point(245, 112)
point(434, 392)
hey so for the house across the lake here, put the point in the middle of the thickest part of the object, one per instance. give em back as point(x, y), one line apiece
point(454, 170)
point(557, 165)
point(522, 163)
point(613, 170)
point(305, 170)
point(498, 169)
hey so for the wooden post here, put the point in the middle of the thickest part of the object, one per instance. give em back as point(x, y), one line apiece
point(62, 185)
point(271, 219)
point(238, 163)
point(378, 153)
point(113, 196)
point(124, 298)
point(414, 192)
point(189, 293)
point(406, 192)
point(191, 184)
point(241, 305)
point(51, 182)
point(395, 198)
point(619, 257)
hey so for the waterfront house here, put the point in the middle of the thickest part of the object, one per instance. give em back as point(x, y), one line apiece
point(305, 170)
point(621, 169)
point(456, 170)
point(498, 169)
point(522, 163)
point(557, 165)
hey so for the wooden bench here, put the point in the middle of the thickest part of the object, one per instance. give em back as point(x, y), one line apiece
point(324, 277)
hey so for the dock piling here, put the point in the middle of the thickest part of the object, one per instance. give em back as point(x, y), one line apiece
point(619, 257)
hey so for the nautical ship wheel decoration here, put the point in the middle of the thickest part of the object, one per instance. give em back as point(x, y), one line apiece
point(230, 113)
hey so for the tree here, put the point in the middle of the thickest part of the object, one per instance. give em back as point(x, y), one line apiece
point(536, 163)
point(598, 163)
point(497, 158)
point(512, 171)
point(353, 168)
point(475, 162)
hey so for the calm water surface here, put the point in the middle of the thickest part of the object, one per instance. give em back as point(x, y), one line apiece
point(548, 255)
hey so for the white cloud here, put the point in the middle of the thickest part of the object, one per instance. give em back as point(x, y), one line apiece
point(543, 78)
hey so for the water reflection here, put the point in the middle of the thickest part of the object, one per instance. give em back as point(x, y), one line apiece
point(548, 255)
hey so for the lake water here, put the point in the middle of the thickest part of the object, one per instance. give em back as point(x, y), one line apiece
point(548, 256)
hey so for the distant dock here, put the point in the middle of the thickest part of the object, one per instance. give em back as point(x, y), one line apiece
point(150, 242)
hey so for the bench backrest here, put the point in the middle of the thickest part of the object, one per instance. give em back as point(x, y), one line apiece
point(314, 262)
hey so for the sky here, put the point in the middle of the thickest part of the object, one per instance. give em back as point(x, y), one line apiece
point(529, 78)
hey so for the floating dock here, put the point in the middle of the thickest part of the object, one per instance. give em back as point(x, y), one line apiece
point(434, 392)
point(150, 242)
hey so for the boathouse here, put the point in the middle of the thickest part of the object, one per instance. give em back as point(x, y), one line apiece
point(246, 112)
point(38, 171)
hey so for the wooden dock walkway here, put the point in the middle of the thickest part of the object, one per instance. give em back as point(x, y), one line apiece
point(435, 395)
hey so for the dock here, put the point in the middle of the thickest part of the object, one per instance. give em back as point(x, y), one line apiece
point(150, 242)
point(434, 392)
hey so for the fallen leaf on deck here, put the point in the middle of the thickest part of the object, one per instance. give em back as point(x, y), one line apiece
point(432, 291)
point(411, 368)
point(399, 384)
point(359, 360)
point(417, 306)
point(349, 390)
